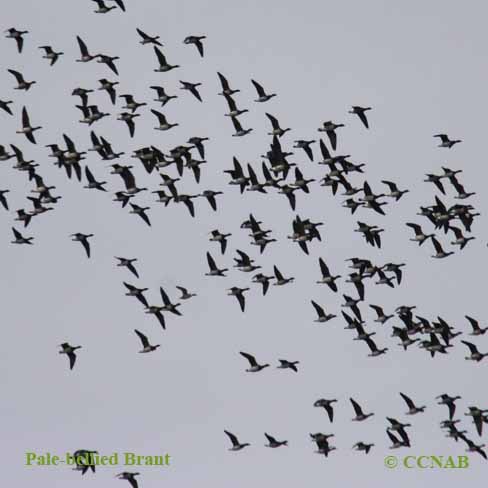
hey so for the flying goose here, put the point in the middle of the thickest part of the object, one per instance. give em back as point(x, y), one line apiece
point(264, 280)
point(163, 64)
point(362, 335)
point(84, 460)
point(192, 88)
point(412, 408)
point(461, 240)
point(327, 278)
point(254, 366)
point(440, 253)
point(102, 8)
point(472, 447)
point(91, 114)
point(239, 294)
point(120, 196)
point(187, 200)
point(21, 83)
point(305, 145)
point(107, 153)
point(381, 318)
point(70, 352)
point(50, 54)
point(72, 154)
point(92, 182)
point(273, 443)
point(323, 446)
point(353, 305)
point(360, 416)
point(233, 110)
point(394, 191)
point(237, 175)
point(169, 183)
point(3, 199)
point(396, 443)
point(254, 184)
point(83, 239)
point(450, 173)
point(361, 446)
point(420, 237)
point(128, 264)
point(280, 280)
point(119, 3)
point(239, 131)
point(301, 182)
point(83, 94)
point(13, 33)
point(85, 55)
point(361, 113)
point(128, 118)
point(454, 433)
point(445, 141)
point(277, 130)
point(4, 105)
point(163, 97)
point(130, 182)
point(288, 191)
point(141, 211)
point(329, 128)
point(130, 477)
point(462, 194)
point(136, 292)
point(284, 364)
point(399, 427)
point(109, 61)
point(146, 39)
point(197, 41)
point(38, 206)
point(394, 268)
point(210, 196)
point(321, 315)
point(475, 355)
point(163, 123)
point(109, 87)
point(96, 144)
point(445, 399)
point(156, 311)
point(146, 347)
point(478, 416)
point(384, 280)
point(226, 90)
point(244, 262)
point(477, 330)
point(214, 271)
point(262, 96)
point(22, 164)
point(357, 280)
point(219, 237)
point(269, 180)
point(236, 445)
point(19, 238)
point(168, 306)
point(436, 179)
point(327, 405)
point(185, 295)
point(374, 349)
point(27, 129)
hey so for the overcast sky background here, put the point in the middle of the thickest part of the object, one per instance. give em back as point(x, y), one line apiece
point(420, 65)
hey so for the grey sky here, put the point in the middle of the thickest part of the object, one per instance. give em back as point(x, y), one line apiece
point(420, 65)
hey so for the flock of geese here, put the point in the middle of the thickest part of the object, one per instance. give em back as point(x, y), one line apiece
point(276, 174)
